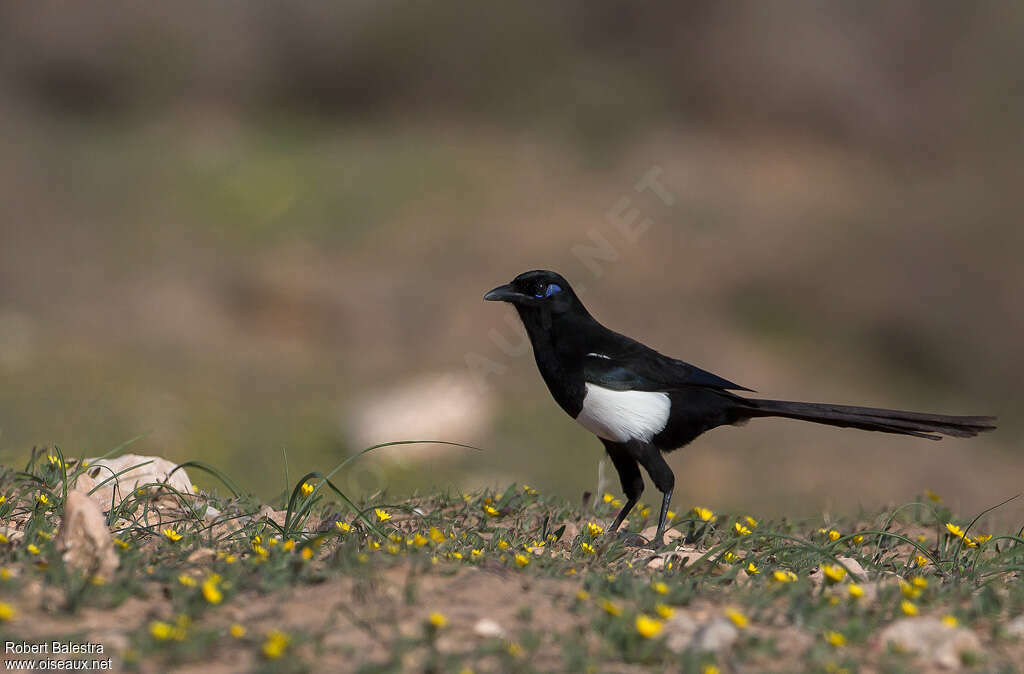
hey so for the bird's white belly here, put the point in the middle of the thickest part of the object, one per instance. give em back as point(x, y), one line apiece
point(621, 416)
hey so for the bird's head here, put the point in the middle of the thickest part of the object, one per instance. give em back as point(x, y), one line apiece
point(540, 290)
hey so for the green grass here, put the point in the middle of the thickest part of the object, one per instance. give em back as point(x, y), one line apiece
point(374, 585)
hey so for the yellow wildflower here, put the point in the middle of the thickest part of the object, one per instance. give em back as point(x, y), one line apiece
point(908, 607)
point(503, 544)
point(276, 644)
point(703, 514)
point(949, 621)
point(919, 582)
point(307, 489)
point(855, 591)
point(737, 617)
point(43, 499)
point(611, 608)
point(419, 540)
point(664, 610)
point(307, 553)
point(476, 553)
point(608, 498)
point(920, 560)
point(643, 511)
point(659, 587)
point(32, 548)
point(594, 529)
point(983, 538)
point(436, 535)
point(784, 576)
point(382, 515)
point(5, 573)
point(648, 627)
point(752, 569)
point(710, 669)
point(587, 548)
point(121, 543)
point(730, 556)
point(835, 639)
point(514, 649)
point(521, 559)
point(236, 630)
point(909, 591)
point(491, 510)
point(833, 572)
point(932, 495)
point(858, 539)
point(7, 612)
point(160, 630)
point(582, 595)
point(833, 535)
point(954, 529)
point(211, 592)
point(751, 522)
point(741, 529)
point(187, 580)
point(529, 490)
point(4, 539)
point(437, 620)
point(172, 535)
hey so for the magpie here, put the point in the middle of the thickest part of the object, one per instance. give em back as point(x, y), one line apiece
point(640, 403)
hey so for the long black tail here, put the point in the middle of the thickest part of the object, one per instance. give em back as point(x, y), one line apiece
point(931, 426)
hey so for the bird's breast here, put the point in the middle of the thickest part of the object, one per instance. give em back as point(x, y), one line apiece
point(621, 416)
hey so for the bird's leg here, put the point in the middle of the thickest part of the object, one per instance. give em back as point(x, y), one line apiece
point(632, 485)
point(659, 537)
point(652, 460)
point(630, 502)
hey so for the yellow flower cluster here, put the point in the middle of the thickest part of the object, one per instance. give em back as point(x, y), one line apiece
point(275, 644)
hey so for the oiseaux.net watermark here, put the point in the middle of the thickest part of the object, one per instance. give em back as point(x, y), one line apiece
point(62, 656)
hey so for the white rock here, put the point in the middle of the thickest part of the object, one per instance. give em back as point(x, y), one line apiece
point(684, 632)
point(84, 537)
point(135, 475)
point(931, 639)
point(485, 627)
point(715, 636)
point(1015, 628)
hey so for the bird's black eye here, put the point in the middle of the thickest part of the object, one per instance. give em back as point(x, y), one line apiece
point(547, 290)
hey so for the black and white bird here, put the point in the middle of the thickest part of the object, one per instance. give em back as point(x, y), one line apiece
point(641, 403)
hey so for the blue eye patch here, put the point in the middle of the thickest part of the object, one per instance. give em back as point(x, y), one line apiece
point(550, 290)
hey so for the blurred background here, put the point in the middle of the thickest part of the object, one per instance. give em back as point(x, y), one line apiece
point(251, 228)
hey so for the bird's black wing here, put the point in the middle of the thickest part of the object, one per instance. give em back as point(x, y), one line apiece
point(627, 365)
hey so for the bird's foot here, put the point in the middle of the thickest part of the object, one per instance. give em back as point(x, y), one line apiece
point(632, 540)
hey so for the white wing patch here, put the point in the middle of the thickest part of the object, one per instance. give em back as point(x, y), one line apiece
point(621, 416)
point(599, 355)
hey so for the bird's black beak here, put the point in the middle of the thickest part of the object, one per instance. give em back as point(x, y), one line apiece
point(503, 293)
